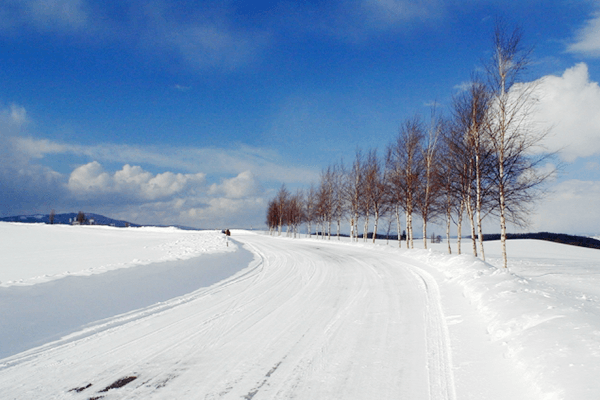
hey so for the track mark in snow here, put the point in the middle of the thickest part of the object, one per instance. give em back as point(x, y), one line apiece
point(439, 358)
point(119, 383)
point(253, 392)
point(80, 389)
point(162, 383)
point(273, 369)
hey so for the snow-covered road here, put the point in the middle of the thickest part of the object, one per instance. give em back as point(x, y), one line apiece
point(304, 320)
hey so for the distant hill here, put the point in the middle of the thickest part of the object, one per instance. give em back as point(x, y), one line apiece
point(66, 219)
point(581, 241)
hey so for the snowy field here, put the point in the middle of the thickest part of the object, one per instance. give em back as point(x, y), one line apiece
point(59, 278)
point(35, 253)
point(295, 318)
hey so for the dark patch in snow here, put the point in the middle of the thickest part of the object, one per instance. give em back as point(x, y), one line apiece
point(253, 392)
point(80, 389)
point(273, 369)
point(250, 395)
point(162, 383)
point(119, 383)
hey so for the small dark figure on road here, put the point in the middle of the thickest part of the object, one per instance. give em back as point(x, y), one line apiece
point(227, 232)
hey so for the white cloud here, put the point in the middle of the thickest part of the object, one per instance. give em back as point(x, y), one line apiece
point(463, 86)
point(568, 209)
point(131, 182)
point(592, 166)
point(140, 196)
point(25, 186)
point(200, 35)
point(38, 148)
point(265, 164)
point(224, 212)
point(357, 21)
point(201, 211)
point(18, 114)
point(205, 43)
point(13, 118)
point(44, 15)
point(588, 38)
point(389, 12)
point(243, 185)
point(569, 104)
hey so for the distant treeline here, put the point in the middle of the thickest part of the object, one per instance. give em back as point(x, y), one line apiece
point(369, 235)
point(581, 241)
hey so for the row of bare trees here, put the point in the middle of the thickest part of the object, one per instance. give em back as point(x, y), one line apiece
point(482, 159)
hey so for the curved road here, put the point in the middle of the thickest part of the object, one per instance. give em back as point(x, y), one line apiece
point(308, 319)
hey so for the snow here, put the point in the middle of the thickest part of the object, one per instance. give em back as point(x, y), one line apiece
point(303, 318)
point(544, 312)
point(35, 253)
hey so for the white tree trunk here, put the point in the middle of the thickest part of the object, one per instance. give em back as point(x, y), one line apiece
point(425, 234)
point(409, 231)
point(448, 223)
point(503, 228)
point(375, 225)
point(399, 227)
point(473, 237)
point(478, 205)
point(480, 233)
point(459, 226)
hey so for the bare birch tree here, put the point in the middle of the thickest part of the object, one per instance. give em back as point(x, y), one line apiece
point(354, 193)
point(326, 197)
point(370, 176)
point(395, 186)
point(338, 209)
point(461, 174)
point(448, 179)
point(404, 157)
point(295, 212)
point(310, 204)
point(471, 120)
point(512, 134)
point(272, 216)
point(378, 191)
point(281, 202)
point(427, 199)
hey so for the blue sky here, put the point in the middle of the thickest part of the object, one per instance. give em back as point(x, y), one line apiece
point(195, 112)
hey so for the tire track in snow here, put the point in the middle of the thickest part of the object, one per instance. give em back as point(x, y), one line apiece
point(439, 355)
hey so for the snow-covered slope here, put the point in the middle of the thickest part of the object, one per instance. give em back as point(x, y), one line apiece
point(34, 253)
point(319, 319)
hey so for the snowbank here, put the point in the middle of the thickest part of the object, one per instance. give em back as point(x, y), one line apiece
point(35, 253)
point(545, 311)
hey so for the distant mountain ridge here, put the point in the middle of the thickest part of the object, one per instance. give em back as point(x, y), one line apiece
point(67, 218)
